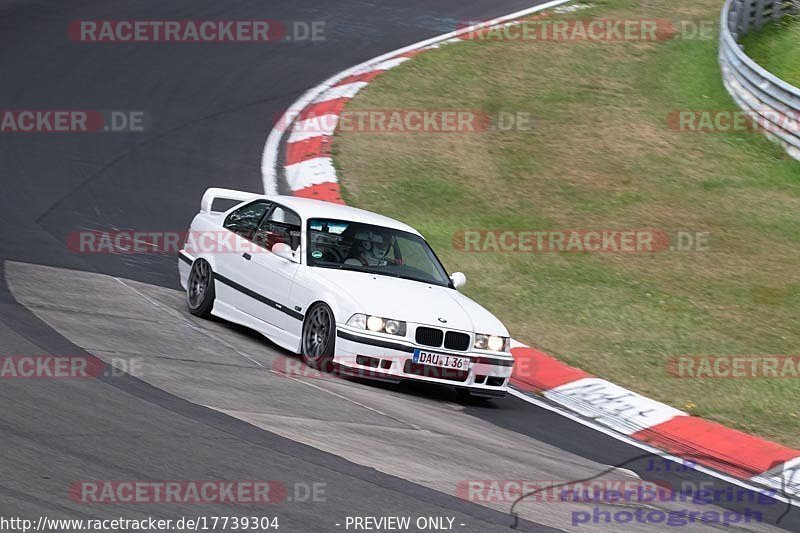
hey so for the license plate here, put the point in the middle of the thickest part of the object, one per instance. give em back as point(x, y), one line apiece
point(424, 357)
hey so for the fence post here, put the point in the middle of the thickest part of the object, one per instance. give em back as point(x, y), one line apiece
point(777, 10)
point(758, 16)
point(744, 8)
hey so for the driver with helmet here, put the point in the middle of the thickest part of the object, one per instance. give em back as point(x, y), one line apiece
point(371, 249)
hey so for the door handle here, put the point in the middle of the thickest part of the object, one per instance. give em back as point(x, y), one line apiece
point(247, 256)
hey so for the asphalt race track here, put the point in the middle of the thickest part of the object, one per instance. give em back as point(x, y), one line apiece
point(203, 399)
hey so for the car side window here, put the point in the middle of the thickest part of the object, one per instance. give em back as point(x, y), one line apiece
point(245, 220)
point(281, 225)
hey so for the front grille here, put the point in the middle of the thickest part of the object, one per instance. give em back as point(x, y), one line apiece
point(449, 374)
point(456, 341)
point(429, 337)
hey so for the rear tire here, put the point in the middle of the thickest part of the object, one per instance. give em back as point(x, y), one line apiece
point(319, 337)
point(200, 289)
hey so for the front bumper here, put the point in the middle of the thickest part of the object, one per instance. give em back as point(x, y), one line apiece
point(361, 354)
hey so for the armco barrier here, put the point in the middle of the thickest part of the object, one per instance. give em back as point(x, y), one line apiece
point(773, 103)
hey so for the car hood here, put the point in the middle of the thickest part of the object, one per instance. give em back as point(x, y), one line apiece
point(413, 301)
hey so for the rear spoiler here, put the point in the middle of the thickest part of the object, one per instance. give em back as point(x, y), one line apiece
point(224, 194)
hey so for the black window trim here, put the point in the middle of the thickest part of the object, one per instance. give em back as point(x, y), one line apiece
point(292, 211)
point(248, 204)
point(272, 205)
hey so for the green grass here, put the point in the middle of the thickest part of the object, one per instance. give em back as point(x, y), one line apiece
point(602, 157)
point(775, 47)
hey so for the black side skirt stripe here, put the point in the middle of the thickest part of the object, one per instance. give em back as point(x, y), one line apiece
point(374, 342)
point(263, 299)
point(409, 349)
point(185, 258)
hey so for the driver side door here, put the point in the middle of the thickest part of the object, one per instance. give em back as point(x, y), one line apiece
point(269, 276)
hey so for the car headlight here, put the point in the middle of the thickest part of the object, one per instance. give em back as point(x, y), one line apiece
point(378, 324)
point(393, 327)
point(491, 342)
point(375, 323)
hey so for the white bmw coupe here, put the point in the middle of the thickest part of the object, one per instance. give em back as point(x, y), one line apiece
point(346, 288)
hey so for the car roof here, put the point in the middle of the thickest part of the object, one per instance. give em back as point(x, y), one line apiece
point(309, 208)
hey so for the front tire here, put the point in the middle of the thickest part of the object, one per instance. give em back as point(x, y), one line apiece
point(319, 338)
point(200, 289)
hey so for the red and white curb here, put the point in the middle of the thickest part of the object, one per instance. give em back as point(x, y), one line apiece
point(652, 426)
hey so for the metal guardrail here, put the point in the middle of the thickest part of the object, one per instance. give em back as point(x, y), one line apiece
point(772, 103)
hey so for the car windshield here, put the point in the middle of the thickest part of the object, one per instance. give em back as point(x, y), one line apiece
point(374, 249)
